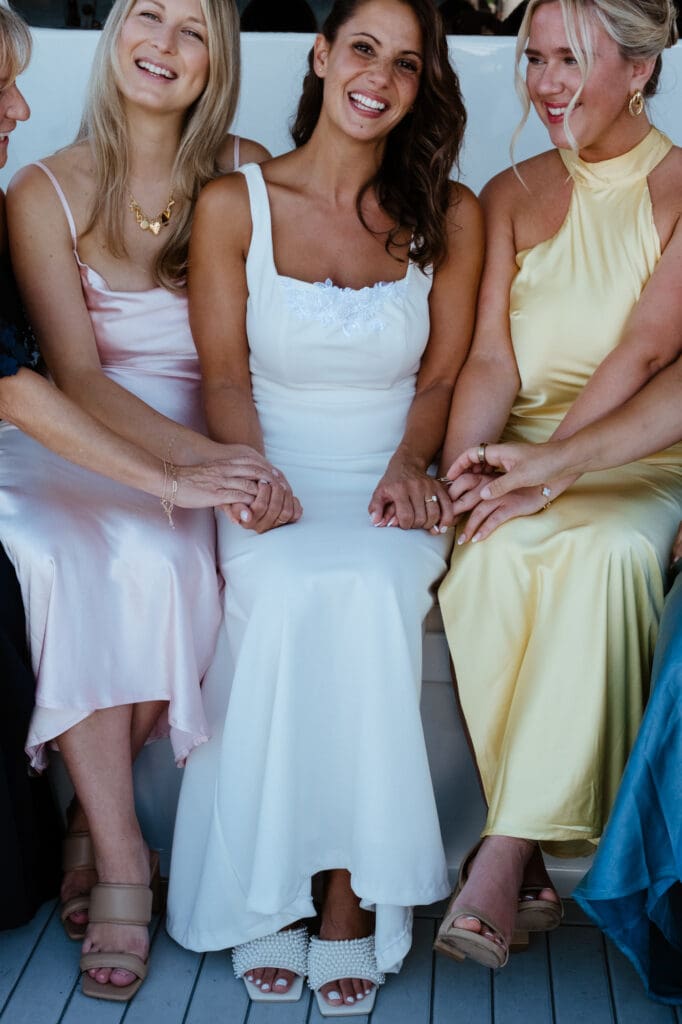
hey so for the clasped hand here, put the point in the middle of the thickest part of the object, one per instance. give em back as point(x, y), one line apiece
point(404, 497)
point(508, 485)
point(244, 485)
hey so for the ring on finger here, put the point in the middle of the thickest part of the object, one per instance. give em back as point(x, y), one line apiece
point(546, 493)
point(433, 497)
point(480, 454)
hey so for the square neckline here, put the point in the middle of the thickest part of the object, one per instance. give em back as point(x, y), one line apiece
point(327, 283)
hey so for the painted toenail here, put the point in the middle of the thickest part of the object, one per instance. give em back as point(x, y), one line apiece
point(367, 991)
point(249, 977)
point(282, 982)
point(265, 988)
point(258, 981)
point(359, 996)
point(334, 996)
point(349, 999)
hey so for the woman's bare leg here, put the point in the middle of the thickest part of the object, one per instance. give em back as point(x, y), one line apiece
point(97, 753)
point(343, 918)
point(74, 883)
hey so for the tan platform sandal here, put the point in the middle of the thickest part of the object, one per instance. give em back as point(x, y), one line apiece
point(460, 943)
point(77, 855)
point(120, 903)
point(114, 903)
point(536, 915)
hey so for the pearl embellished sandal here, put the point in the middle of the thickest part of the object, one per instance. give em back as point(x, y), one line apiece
point(286, 950)
point(346, 958)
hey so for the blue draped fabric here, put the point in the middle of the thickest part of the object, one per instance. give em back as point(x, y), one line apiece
point(634, 889)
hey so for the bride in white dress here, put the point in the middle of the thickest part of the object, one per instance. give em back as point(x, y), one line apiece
point(331, 300)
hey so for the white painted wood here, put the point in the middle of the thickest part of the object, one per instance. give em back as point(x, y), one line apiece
point(273, 67)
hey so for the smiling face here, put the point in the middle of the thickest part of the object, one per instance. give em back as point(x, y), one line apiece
point(372, 69)
point(13, 108)
point(600, 121)
point(163, 54)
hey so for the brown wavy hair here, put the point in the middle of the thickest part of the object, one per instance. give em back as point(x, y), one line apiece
point(413, 182)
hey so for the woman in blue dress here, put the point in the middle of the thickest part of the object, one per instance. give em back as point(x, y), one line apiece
point(634, 888)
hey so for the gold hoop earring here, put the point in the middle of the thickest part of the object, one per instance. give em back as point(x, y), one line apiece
point(636, 104)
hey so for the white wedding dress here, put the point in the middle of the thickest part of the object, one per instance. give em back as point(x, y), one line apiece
point(317, 757)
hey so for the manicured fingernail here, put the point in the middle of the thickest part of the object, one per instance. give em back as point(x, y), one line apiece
point(443, 529)
point(485, 492)
point(244, 516)
point(265, 988)
point(281, 982)
point(391, 521)
point(334, 996)
point(375, 517)
point(461, 540)
point(475, 539)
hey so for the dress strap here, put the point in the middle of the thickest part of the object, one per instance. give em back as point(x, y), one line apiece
point(260, 250)
point(62, 198)
point(237, 142)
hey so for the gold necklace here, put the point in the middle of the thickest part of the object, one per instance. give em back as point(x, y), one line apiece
point(153, 224)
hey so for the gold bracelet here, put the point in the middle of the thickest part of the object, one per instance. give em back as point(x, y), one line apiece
point(170, 490)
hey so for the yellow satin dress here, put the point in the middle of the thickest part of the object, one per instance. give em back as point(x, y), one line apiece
point(552, 620)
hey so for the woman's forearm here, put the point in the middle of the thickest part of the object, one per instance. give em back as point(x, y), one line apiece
point(232, 417)
point(483, 398)
point(650, 421)
point(39, 409)
point(135, 421)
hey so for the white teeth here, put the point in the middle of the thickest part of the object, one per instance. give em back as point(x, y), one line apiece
point(556, 111)
point(365, 101)
point(154, 69)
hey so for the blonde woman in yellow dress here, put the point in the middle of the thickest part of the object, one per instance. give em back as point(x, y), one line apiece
point(552, 619)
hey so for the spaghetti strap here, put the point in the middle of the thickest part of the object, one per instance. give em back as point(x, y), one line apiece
point(237, 142)
point(62, 198)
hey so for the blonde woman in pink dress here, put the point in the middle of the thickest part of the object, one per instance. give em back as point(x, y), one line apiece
point(122, 609)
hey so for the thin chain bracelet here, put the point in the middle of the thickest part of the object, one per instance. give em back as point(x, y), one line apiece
point(170, 490)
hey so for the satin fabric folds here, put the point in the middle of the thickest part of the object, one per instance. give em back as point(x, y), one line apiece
point(634, 888)
point(552, 620)
point(120, 608)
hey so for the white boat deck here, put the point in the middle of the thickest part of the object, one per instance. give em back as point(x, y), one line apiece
point(572, 976)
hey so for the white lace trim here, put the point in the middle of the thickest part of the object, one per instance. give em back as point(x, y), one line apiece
point(351, 309)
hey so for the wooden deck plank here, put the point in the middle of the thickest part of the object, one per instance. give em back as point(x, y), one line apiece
point(284, 1013)
point(579, 976)
point(631, 1002)
point(218, 995)
point(522, 991)
point(461, 992)
point(406, 998)
point(575, 915)
point(16, 947)
point(46, 984)
point(166, 994)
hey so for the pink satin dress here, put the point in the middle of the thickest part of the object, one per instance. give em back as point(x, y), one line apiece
point(120, 607)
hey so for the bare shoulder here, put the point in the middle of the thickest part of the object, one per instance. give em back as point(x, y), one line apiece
point(665, 180)
point(250, 152)
point(518, 186)
point(72, 167)
point(225, 201)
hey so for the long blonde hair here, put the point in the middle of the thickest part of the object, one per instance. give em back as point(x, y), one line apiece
point(15, 44)
point(641, 28)
point(104, 127)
